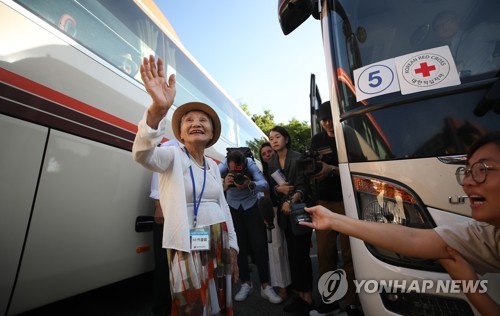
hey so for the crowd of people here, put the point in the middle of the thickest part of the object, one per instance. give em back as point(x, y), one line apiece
point(209, 223)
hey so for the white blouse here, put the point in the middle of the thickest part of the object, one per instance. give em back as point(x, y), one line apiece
point(172, 164)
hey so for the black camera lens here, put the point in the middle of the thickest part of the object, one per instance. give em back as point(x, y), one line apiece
point(239, 178)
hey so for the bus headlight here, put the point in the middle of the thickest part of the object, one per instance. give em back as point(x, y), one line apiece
point(386, 202)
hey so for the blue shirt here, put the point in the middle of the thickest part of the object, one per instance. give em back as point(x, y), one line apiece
point(245, 198)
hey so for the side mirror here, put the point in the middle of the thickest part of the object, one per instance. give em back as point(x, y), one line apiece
point(315, 11)
point(293, 13)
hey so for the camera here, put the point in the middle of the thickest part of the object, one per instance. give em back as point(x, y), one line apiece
point(297, 215)
point(308, 164)
point(239, 178)
point(239, 174)
point(300, 215)
point(239, 164)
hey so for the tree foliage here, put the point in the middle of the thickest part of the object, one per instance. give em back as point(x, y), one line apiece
point(244, 107)
point(265, 121)
point(300, 131)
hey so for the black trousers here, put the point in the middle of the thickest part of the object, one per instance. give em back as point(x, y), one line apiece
point(162, 303)
point(298, 257)
point(252, 237)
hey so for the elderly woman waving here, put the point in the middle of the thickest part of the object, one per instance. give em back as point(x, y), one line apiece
point(198, 235)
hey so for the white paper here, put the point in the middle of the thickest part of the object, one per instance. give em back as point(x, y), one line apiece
point(279, 177)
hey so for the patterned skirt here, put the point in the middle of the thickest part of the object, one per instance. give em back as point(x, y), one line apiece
point(200, 281)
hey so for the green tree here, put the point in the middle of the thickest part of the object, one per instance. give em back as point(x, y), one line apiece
point(244, 107)
point(265, 121)
point(300, 132)
point(254, 146)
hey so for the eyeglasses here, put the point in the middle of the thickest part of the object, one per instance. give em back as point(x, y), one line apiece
point(478, 171)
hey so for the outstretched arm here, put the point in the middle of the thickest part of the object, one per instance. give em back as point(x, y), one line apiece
point(162, 93)
point(459, 269)
point(413, 242)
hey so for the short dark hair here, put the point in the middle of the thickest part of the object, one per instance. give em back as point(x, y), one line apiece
point(488, 138)
point(237, 157)
point(284, 132)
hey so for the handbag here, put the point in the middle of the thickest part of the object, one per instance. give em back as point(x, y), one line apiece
point(297, 215)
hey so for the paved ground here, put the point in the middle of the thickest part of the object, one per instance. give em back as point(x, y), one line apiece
point(256, 305)
point(133, 297)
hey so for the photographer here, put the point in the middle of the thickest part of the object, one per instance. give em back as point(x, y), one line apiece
point(242, 181)
point(328, 193)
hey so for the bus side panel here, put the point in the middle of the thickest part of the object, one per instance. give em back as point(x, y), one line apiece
point(22, 146)
point(87, 83)
point(82, 232)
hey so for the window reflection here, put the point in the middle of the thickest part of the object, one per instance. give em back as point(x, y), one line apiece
point(122, 34)
point(369, 31)
point(430, 128)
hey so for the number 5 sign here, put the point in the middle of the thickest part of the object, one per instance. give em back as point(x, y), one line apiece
point(376, 79)
point(420, 71)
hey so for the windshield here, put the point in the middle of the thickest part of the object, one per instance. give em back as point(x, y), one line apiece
point(453, 49)
point(371, 31)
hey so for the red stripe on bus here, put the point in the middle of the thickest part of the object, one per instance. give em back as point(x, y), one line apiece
point(67, 101)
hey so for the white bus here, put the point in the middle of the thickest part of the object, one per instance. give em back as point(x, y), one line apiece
point(406, 105)
point(70, 99)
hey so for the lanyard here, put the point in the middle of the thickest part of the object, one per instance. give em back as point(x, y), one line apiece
point(197, 205)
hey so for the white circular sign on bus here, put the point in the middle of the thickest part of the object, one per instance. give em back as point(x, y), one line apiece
point(376, 79)
point(427, 70)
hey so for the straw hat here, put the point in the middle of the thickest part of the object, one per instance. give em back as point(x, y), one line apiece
point(196, 106)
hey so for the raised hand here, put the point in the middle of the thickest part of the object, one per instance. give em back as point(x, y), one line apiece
point(161, 92)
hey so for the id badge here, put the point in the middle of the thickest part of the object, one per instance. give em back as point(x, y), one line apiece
point(200, 238)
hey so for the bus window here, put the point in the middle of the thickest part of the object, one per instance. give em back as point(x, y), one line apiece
point(96, 28)
point(446, 126)
point(122, 34)
point(370, 32)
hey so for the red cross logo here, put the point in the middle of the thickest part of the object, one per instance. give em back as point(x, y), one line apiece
point(425, 69)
